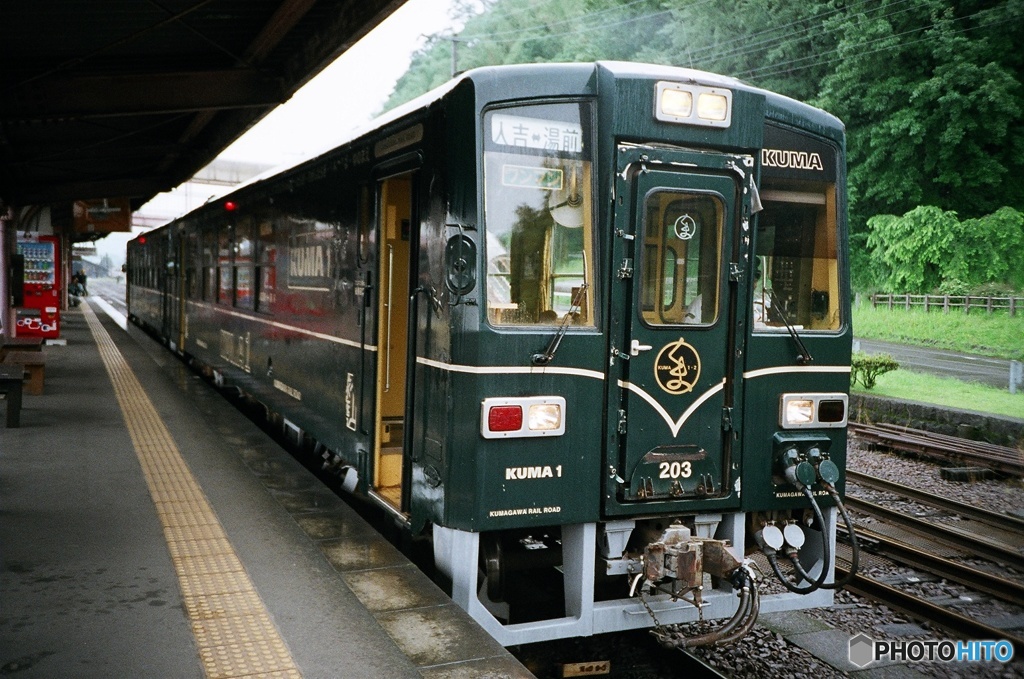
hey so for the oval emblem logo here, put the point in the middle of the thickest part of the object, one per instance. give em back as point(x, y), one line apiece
point(677, 367)
point(685, 227)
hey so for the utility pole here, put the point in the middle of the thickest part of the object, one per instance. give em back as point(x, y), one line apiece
point(455, 55)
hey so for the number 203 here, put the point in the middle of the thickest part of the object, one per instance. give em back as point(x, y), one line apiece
point(674, 470)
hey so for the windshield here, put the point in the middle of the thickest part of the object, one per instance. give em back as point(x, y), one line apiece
point(538, 209)
point(797, 268)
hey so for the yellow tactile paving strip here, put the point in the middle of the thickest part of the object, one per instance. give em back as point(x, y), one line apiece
point(232, 627)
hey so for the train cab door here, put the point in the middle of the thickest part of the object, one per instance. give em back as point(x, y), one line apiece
point(680, 233)
point(396, 261)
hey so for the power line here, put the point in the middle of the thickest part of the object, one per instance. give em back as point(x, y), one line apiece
point(492, 37)
point(775, 69)
point(748, 47)
point(741, 45)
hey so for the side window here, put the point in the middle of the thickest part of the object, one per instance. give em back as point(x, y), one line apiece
point(225, 272)
point(681, 261)
point(366, 222)
point(191, 270)
point(209, 264)
point(266, 266)
point(539, 215)
point(243, 264)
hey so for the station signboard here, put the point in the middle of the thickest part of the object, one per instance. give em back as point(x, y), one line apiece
point(105, 215)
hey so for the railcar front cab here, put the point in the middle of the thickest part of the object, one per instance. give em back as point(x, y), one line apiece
point(716, 249)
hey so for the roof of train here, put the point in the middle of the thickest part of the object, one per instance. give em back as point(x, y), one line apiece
point(557, 75)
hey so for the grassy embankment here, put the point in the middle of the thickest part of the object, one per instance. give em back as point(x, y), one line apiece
point(978, 333)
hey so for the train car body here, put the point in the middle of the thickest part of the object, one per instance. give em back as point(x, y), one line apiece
point(546, 313)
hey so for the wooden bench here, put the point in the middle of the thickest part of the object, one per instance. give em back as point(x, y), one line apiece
point(9, 344)
point(32, 362)
point(11, 378)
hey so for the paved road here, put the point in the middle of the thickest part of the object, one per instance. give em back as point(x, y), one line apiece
point(968, 367)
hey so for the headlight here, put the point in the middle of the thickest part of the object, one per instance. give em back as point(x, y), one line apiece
point(674, 103)
point(545, 417)
point(712, 106)
point(804, 411)
point(677, 103)
point(798, 412)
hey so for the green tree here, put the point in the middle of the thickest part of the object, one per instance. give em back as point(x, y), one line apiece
point(932, 100)
point(913, 247)
point(772, 43)
point(989, 250)
point(928, 249)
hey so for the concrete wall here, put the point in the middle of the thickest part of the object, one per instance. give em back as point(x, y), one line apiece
point(1003, 431)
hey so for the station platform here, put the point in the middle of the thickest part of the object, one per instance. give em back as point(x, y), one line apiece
point(148, 529)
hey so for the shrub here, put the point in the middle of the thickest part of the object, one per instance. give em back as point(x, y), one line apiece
point(866, 369)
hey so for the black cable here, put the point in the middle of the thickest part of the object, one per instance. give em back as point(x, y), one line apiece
point(826, 549)
point(854, 544)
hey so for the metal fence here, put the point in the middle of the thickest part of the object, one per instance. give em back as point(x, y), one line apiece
point(945, 303)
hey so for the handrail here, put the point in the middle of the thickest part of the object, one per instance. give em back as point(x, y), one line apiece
point(391, 287)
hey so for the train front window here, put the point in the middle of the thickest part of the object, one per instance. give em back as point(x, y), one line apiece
point(796, 267)
point(539, 215)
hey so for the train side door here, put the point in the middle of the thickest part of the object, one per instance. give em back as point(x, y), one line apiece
point(177, 291)
point(395, 264)
point(674, 370)
point(169, 287)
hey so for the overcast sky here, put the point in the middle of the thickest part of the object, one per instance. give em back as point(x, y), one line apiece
point(348, 92)
point(343, 96)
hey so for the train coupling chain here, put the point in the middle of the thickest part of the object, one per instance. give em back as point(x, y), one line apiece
point(672, 636)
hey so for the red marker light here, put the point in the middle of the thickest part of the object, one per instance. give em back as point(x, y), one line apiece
point(505, 418)
point(142, 240)
point(230, 205)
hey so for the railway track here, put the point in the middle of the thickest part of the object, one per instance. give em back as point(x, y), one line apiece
point(918, 558)
point(927, 543)
point(953, 537)
point(954, 623)
point(942, 448)
point(996, 519)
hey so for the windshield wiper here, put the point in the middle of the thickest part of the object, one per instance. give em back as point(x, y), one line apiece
point(549, 353)
point(805, 356)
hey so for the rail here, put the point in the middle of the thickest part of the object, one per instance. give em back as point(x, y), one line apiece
point(954, 571)
point(944, 618)
point(996, 519)
point(990, 305)
point(948, 535)
point(899, 547)
point(942, 448)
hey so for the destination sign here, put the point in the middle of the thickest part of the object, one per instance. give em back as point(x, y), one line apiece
point(532, 177)
point(536, 133)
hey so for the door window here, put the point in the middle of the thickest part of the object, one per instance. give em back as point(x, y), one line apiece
point(681, 263)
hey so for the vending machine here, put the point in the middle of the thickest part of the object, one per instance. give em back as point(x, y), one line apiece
point(39, 316)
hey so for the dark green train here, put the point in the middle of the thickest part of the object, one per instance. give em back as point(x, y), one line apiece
point(585, 325)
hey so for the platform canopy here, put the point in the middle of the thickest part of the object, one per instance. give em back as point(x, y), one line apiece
point(128, 98)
